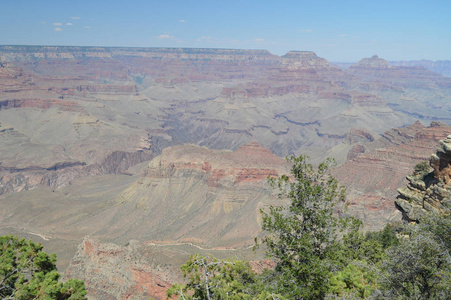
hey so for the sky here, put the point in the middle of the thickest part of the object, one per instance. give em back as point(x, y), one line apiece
point(338, 30)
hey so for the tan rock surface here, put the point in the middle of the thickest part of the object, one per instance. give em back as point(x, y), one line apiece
point(79, 124)
point(114, 272)
point(428, 191)
point(373, 177)
point(189, 194)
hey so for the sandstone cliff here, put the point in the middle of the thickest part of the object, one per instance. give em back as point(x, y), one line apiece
point(188, 194)
point(79, 124)
point(194, 194)
point(113, 272)
point(219, 98)
point(428, 191)
point(374, 172)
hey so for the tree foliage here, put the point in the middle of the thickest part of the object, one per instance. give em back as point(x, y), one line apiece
point(301, 236)
point(319, 254)
point(210, 278)
point(420, 267)
point(27, 272)
point(356, 278)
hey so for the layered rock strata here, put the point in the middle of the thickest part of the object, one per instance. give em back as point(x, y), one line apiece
point(188, 194)
point(78, 124)
point(428, 191)
point(377, 169)
point(220, 98)
point(113, 272)
point(441, 66)
point(194, 194)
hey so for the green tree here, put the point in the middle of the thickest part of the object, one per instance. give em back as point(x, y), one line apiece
point(386, 237)
point(302, 236)
point(420, 267)
point(357, 279)
point(210, 278)
point(27, 272)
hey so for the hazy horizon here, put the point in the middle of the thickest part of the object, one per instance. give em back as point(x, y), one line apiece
point(331, 61)
point(337, 31)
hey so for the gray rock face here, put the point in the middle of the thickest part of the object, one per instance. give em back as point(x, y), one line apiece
point(428, 191)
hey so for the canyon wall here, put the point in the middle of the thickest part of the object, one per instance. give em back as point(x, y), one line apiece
point(373, 176)
point(173, 146)
point(428, 191)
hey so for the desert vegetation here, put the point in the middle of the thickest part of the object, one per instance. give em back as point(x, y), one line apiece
point(320, 253)
point(27, 272)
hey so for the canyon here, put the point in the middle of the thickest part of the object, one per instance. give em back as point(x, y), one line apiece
point(144, 155)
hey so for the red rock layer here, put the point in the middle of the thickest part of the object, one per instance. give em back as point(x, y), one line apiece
point(113, 272)
point(249, 163)
point(372, 178)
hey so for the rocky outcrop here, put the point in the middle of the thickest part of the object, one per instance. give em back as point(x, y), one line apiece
point(41, 104)
point(140, 270)
point(375, 170)
point(428, 191)
point(107, 89)
point(441, 161)
point(113, 272)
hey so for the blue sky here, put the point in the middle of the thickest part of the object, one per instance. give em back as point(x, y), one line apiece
point(336, 30)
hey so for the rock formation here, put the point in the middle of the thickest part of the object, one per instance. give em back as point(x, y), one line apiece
point(140, 270)
point(194, 194)
point(188, 194)
point(81, 125)
point(219, 98)
point(428, 191)
point(441, 66)
point(114, 272)
point(371, 63)
point(374, 173)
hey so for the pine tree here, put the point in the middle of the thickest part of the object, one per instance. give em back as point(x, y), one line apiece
point(302, 236)
point(27, 272)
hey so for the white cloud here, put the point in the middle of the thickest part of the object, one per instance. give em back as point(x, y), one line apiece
point(166, 36)
point(305, 30)
point(57, 24)
point(58, 29)
point(342, 35)
point(259, 40)
point(75, 18)
point(69, 24)
point(182, 21)
point(43, 22)
point(87, 27)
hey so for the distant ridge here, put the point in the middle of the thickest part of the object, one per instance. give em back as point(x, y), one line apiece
point(440, 66)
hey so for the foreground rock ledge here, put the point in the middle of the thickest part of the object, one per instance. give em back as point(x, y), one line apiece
point(431, 191)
